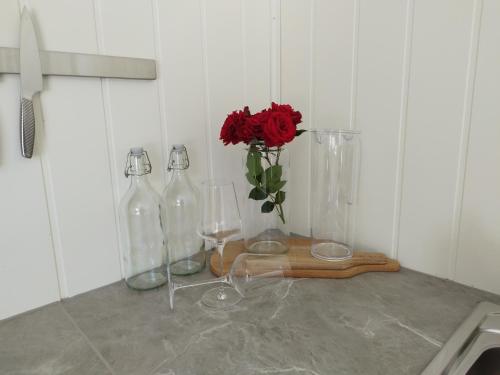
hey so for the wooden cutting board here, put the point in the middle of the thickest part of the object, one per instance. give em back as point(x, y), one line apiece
point(303, 264)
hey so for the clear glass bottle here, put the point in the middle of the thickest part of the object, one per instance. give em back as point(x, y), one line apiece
point(143, 238)
point(186, 249)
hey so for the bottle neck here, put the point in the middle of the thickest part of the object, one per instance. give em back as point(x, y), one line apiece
point(180, 175)
point(139, 181)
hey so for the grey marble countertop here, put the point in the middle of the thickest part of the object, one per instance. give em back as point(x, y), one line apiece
point(377, 323)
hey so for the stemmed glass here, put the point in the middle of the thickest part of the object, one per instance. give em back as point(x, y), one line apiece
point(250, 276)
point(219, 222)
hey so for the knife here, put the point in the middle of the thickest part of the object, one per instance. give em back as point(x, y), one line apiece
point(31, 82)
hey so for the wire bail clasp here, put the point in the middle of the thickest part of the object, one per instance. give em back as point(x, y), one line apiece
point(132, 170)
point(178, 158)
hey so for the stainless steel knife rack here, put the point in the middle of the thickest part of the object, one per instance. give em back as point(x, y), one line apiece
point(32, 63)
point(82, 65)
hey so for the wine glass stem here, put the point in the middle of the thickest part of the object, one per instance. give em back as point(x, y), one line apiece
point(221, 295)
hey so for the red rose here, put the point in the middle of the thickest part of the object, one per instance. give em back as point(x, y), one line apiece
point(231, 131)
point(286, 108)
point(245, 131)
point(279, 129)
point(275, 126)
point(258, 121)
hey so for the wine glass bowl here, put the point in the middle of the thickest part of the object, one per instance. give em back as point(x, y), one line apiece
point(219, 221)
point(255, 275)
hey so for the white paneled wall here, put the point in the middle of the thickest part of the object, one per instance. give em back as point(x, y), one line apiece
point(61, 235)
point(437, 83)
point(75, 153)
point(477, 253)
point(27, 267)
point(419, 78)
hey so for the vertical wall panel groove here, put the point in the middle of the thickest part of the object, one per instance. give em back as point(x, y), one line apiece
point(405, 88)
point(275, 50)
point(465, 135)
point(311, 125)
point(311, 70)
point(244, 49)
point(52, 220)
point(354, 69)
point(208, 128)
point(297, 83)
point(111, 149)
point(160, 85)
point(354, 77)
point(257, 53)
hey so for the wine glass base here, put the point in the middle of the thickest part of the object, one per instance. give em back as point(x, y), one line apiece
point(331, 251)
point(147, 280)
point(221, 298)
point(185, 267)
point(267, 247)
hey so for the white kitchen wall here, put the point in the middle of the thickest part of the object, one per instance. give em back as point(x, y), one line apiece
point(419, 78)
point(60, 233)
point(28, 276)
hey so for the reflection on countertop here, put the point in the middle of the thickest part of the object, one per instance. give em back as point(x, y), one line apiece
point(375, 323)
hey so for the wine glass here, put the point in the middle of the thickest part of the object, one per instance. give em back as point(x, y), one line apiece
point(219, 221)
point(250, 276)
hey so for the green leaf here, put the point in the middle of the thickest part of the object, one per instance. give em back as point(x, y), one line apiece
point(267, 207)
point(280, 197)
point(258, 194)
point(255, 170)
point(274, 187)
point(272, 175)
point(253, 180)
point(253, 165)
point(299, 132)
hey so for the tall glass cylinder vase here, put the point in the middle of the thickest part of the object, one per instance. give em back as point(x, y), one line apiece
point(335, 158)
point(265, 206)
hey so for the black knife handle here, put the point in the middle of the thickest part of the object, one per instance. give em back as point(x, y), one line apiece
point(27, 128)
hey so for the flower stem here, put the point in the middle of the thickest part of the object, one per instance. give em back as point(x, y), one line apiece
point(279, 209)
point(268, 155)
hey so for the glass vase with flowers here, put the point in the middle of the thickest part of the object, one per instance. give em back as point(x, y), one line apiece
point(266, 166)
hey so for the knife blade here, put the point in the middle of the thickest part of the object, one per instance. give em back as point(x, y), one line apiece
point(31, 81)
